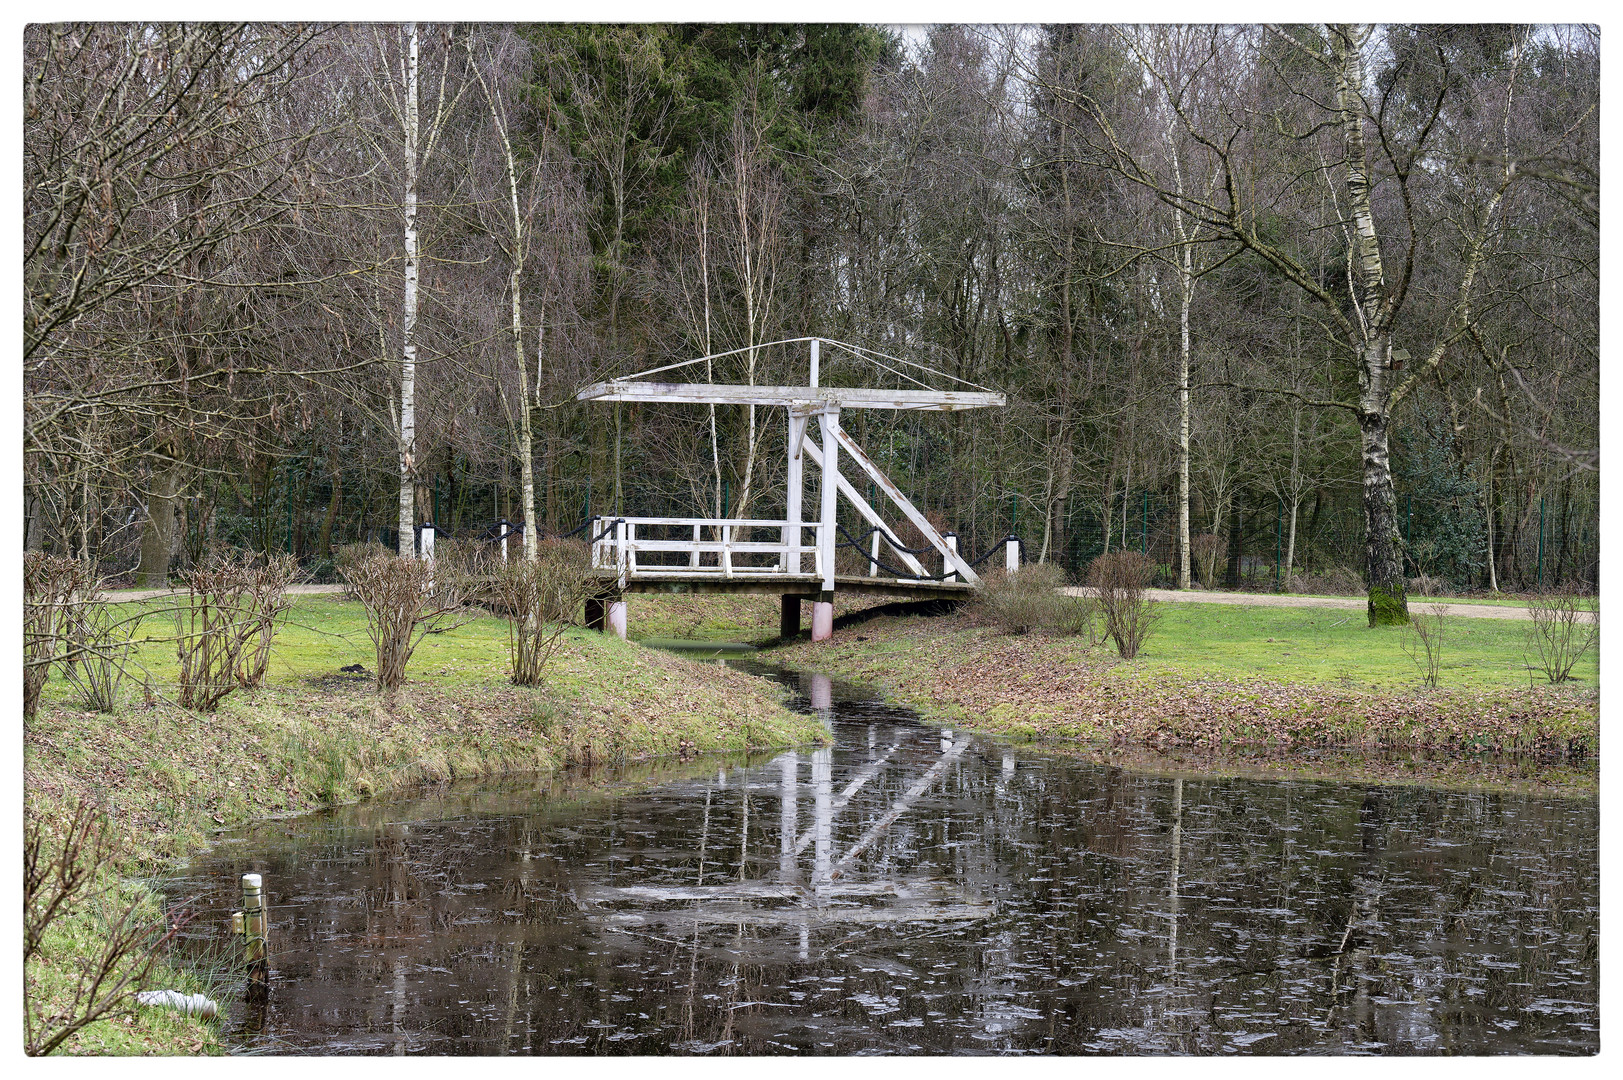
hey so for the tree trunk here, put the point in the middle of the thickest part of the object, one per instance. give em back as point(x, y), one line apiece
point(408, 360)
point(1388, 602)
point(324, 544)
point(158, 534)
point(1383, 545)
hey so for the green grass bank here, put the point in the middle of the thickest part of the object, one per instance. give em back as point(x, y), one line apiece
point(313, 736)
point(1219, 678)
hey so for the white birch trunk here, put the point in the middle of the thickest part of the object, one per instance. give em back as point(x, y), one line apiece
point(408, 356)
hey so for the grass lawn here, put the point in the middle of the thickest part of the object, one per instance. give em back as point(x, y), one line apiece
point(1323, 645)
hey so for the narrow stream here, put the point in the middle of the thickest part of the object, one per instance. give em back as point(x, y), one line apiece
point(914, 890)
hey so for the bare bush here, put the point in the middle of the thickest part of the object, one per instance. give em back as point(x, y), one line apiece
point(1120, 582)
point(226, 623)
point(68, 876)
point(1207, 550)
point(98, 649)
point(1562, 631)
point(52, 586)
point(406, 600)
point(539, 599)
point(1023, 601)
point(1332, 580)
point(1423, 641)
point(264, 600)
point(346, 556)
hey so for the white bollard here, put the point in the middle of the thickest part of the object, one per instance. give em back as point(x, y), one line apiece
point(952, 545)
point(501, 533)
point(873, 565)
point(428, 542)
point(617, 617)
point(1011, 553)
point(822, 620)
point(254, 928)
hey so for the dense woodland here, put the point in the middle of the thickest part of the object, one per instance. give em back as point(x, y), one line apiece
point(1324, 297)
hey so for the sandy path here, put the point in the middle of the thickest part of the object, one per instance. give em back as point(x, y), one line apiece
point(124, 596)
point(1340, 603)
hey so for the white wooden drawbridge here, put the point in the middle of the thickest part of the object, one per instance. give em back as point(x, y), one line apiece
point(656, 554)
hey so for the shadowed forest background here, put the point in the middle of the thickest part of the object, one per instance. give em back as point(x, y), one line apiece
point(1076, 216)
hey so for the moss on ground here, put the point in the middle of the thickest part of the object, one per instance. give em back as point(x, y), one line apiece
point(314, 736)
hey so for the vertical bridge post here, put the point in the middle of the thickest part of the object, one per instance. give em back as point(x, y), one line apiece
point(823, 607)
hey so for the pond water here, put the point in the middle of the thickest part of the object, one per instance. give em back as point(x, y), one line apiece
point(915, 890)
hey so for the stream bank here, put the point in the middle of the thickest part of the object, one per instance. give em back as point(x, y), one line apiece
point(1060, 693)
point(171, 780)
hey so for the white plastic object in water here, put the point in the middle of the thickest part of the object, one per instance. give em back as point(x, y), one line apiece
point(190, 1004)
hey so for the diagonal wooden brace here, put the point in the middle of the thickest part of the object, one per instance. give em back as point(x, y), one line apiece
point(952, 558)
point(869, 514)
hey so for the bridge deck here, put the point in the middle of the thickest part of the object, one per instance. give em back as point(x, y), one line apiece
point(808, 585)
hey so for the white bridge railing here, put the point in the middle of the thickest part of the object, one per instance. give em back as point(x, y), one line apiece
point(704, 547)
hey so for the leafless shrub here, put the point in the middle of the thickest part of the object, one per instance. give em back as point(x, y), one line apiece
point(1023, 601)
point(264, 600)
point(52, 585)
point(1562, 631)
point(406, 600)
point(345, 556)
point(1207, 550)
point(68, 876)
point(539, 600)
point(98, 648)
point(225, 624)
point(1328, 581)
point(1423, 641)
point(1120, 582)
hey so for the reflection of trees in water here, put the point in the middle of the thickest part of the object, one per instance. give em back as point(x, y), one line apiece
point(1137, 913)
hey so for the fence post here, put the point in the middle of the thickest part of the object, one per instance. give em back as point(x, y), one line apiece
point(1011, 553)
point(952, 543)
point(1279, 523)
point(1541, 542)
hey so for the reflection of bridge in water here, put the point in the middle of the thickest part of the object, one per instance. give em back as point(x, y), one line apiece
point(769, 555)
point(829, 891)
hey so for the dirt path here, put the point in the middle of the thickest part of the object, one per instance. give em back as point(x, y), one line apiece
point(1175, 596)
point(1340, 603)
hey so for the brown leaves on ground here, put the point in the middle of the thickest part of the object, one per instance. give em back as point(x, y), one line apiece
point(1048, 687)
